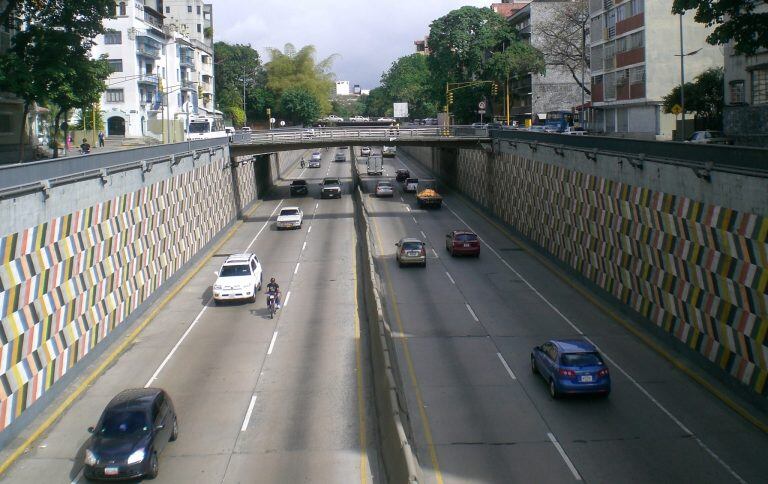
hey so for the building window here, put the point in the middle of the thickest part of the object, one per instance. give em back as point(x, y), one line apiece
point(121, 9)
point(760, 86)
point(113, 37)
point(199, 28)
point(167, 9)
point(637, 75)
point(114, 96)
point(637, 7)
point(198, 10)
point(189, 8)
point(737, 92)
point(115, 65)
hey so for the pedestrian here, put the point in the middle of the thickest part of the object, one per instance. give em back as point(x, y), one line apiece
point(101, 139)
point(85, 147)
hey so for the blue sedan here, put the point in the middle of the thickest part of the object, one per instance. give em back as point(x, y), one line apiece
point(571, 366)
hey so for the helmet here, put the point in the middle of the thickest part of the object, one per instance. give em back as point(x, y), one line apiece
point(272, 280)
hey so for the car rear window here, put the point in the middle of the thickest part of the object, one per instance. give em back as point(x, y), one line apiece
point(289, 211)
point(412, 180)
point(299, 182)
point(234, 271)
point(412, 245)
point(123, 423)
point(466, 237)
point(581, 359)
point(385, 184)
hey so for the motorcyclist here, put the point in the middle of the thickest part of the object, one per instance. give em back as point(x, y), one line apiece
point(302, 162)
point(274, 288)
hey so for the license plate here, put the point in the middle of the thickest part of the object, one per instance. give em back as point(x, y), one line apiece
point(466, 245)
point(586, 379)
point(111, 471)
point(414, 253)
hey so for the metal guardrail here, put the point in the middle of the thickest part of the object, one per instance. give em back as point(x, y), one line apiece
point(294, 135)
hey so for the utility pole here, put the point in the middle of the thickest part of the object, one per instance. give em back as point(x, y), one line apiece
point(583, 68)
point(245, 116)
point(682, 81)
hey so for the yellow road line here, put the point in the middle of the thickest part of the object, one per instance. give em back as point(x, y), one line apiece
point(127, 341)
point(409, 363)
point(359, 370)
point(732, 404)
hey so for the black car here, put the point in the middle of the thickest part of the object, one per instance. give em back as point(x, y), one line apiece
point(402, 175)
point(299, 187)
point(133, 429)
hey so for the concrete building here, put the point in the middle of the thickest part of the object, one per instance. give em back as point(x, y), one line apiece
point(507, 8)
point(162, 69)
point(342, 88)
point(535, 95)
point(422, 46)
point(634, 65)
point(745, 114)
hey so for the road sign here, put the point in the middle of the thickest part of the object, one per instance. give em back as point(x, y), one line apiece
point(481, 105)
point(272, 120)
point(400, 110)
point(282, 123)
point(677, 109)
point(481, 111)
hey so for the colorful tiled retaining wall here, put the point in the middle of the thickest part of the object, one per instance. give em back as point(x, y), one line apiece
point(66, 284)
point(699, 271)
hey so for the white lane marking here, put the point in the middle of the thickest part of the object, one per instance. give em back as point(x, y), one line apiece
point(402, 199)
point(449, 275)
point(248, 414)
point(178, 343)
point(562, 453)
point(272, 343)
point(506, 366)
point(304, 247)
point(414, 220)
point(287, 298)
point(296, 270)
point(317, 205)
point(310, 229)
point(423, 234)
point(435, 252)
point(474, 316)
point(408, 208)
point(613, 362)
point(253, 241)
point(77, 478)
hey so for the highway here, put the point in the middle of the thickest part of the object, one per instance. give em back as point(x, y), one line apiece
point(465, 329)
point(283, 400)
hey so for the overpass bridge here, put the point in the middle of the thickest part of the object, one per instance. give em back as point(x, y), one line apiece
point(655, 252)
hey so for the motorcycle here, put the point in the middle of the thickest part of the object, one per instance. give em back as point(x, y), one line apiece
point(272, 304)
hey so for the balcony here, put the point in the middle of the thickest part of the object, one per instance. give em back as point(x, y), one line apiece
point(634, 56)
point(147, 46)
point(188, 85)
point(148, 80)
point(631, 23)
point(187, 61)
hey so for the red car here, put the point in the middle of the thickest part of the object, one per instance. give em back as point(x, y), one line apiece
point(462, 242)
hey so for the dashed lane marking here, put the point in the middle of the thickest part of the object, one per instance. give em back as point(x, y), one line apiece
point(248, 414)
point(506, 366)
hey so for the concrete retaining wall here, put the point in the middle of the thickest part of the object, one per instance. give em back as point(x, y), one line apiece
point(689, 255)
point(80, 260)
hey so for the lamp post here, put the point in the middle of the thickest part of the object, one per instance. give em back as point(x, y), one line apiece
point(682, 56)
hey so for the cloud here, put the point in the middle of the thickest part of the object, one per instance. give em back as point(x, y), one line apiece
point(366, 35)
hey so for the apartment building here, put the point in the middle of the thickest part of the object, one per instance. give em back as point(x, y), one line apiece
point(160, 71)
point(635, 62)
point(745, 114)
point(533, 96)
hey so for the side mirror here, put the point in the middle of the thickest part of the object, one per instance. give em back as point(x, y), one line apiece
point(216, 273)
point(91, 430)
point(397, 244)
point(160, 427)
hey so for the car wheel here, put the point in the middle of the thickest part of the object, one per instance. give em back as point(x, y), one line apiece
point(216, 302)
point(174, 430)
point(534, 370)
point(154, 468)
point(252, 299)
point(553, 389)
point(261, 278)
point(424, 264)
point(477, 256)
point(446, 248)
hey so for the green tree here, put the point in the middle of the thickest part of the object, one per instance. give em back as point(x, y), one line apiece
point(290, 69)
point(376, 103)
point(470, 44)
point(703, 98)
point(409, 80)
point(49, 58)
point(743, 21)
point(299, 105)
point(238, 66)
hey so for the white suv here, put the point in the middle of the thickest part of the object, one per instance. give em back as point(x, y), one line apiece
point(239, 278)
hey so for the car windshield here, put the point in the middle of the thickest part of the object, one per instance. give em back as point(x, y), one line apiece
point(581, 359)
point(235, 271)
point(299, 182)
point(124, 423)
point(198, 127)
point(330, 181)
point(466, 237)
point(289, 211)
point(412, 180)
point(412, 245)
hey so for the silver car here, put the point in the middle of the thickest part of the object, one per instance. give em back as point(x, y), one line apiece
point(411, 251)
point(385, 189)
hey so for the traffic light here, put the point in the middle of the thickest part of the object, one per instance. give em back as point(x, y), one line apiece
point(450, 98)
point(494, 89)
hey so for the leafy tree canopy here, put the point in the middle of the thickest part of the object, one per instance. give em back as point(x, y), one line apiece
point(299, 105)
point(409, 80)
point(703, 97)
point(376, 103)
point(239, 66)
point(289, 69)
point(745, 22)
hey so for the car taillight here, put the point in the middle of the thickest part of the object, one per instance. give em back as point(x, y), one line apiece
point(602, 373)
point(566, 372)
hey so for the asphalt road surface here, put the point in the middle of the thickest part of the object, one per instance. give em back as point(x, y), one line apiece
point(466, 327)
point(258, 400)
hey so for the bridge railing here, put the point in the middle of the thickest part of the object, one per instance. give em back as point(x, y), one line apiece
point(293, 135)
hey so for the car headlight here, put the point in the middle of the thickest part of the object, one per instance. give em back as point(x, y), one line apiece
point(218, 287)
point(90, 458)
point(137, 456)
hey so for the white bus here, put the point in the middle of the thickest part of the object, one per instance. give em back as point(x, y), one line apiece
point(204, 127)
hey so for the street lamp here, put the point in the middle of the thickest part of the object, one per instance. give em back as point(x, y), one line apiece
point(682, 56)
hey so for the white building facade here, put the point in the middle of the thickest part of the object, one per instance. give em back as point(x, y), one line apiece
point(160, 73)
point(342, 88)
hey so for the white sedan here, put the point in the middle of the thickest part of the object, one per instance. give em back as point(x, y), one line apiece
point(290, 218)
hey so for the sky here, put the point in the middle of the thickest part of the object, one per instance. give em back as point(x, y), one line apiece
point(366, 35)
